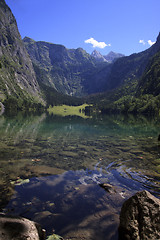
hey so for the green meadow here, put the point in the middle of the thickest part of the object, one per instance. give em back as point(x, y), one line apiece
point(65, 110)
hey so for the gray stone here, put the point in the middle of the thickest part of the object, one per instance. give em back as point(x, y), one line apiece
point(16, 228)
point(140, 218)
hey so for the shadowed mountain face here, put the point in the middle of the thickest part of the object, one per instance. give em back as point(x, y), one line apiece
point(150, 81)
point(76, 73)
point(67, 70)
point(17, 76)
point(134, 84)
point(131, 68)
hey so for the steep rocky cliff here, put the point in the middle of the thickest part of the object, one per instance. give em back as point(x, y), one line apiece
point(17, 76)
point(70, 71)
point(98, 56)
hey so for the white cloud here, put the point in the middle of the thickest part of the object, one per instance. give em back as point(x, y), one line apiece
point(95, 43)
point(150, 42)
point(142, 41)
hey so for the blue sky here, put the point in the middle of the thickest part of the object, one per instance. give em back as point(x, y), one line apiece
point(123, 26)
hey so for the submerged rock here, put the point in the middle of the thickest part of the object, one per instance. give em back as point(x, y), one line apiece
point(16, 228)
point(108, 187)
point(140, 217)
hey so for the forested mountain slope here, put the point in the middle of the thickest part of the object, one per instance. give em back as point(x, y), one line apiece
point(140, 94)
point(130, 68)
point(150, 81)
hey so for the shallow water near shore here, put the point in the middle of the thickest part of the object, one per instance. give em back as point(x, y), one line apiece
point(51, 169)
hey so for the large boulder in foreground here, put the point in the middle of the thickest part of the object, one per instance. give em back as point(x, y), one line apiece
point(12, 228)
point(140, 218)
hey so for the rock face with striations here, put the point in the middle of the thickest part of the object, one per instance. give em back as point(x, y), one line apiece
point(98, 56)
point(17, 76)
point(77, 73)
point(70, 71)
point(140, 218)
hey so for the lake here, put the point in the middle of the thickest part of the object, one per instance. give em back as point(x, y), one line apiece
point(52, 168)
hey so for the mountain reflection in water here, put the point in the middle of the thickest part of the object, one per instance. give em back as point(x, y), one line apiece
point(51, 168)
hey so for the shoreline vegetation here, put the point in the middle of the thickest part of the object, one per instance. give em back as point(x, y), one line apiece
point(65, 110)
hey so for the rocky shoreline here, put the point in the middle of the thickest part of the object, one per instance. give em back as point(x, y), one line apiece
point(139, 220)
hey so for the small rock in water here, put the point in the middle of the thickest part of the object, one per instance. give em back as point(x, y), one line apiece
point(108, 187)
point(42, 215)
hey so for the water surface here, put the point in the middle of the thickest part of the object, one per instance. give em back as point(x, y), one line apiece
point(51, 168)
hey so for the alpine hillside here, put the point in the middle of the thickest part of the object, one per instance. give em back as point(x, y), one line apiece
point(133, 84)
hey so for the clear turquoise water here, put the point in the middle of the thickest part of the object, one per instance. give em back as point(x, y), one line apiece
point(51, 167)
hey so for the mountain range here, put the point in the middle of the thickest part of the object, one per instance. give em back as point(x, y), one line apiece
point(42, 73)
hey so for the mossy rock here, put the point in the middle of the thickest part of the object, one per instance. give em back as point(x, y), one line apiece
point(54, 237)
